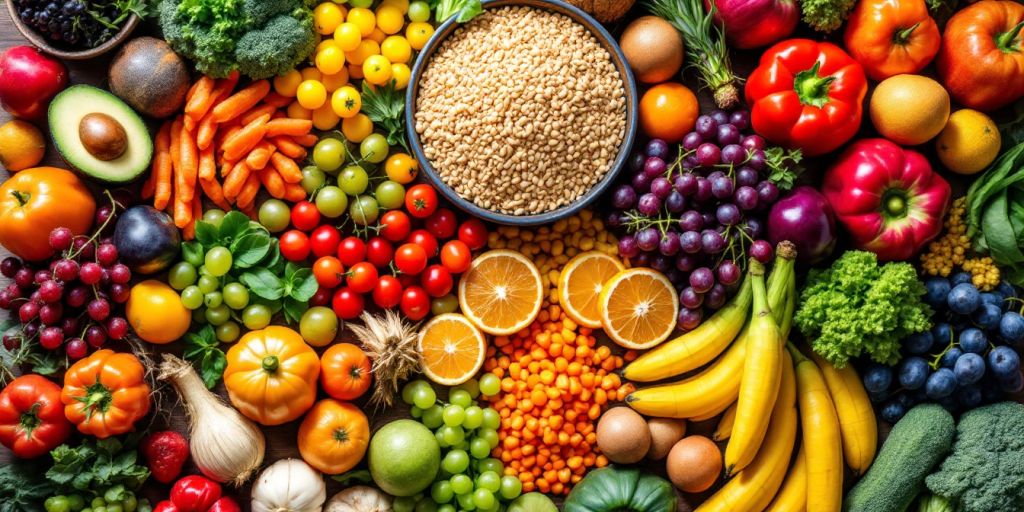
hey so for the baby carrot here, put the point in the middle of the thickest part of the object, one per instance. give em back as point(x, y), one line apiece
point(272, 182)
point(176, 127)
point(148, 188)
point(235, 180)
point(207, 164)
point(260, 155)
point(289, 147)
point(189, 163)
point(197, 213)
point(276, 100)
point(205, 131)
point(213, 192)
point(308, 140)
point(247, 196)
point(256, 112)
point(289, 170)
point(285, 126)
point(294, 192)
point(240, 143)
point(182, 211)
point(236, 104)
point(162, 167)
point(201, 98)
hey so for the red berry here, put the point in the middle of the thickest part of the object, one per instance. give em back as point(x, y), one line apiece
point(165, 453)
point(98, 309)
point(90, 273)
point(60, 239)
point(51, 338)
point(10, 266)
point(106, 254)
point(117, 327)
point(119, 293)
point(50, 291)
point(51, 314)
point(30, 329)
point(76, 348)
point(12, 342)
point(103, 213)
point(28, 312)
point(120, 274)
point(86, 249)
point(5, 299)
point(42, 276)
point(69, 325)
point(66, 270)
point(95, 336)
point(77, 297)
point(23, 277)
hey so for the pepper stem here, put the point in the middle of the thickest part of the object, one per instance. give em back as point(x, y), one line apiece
point(271, 364)
point(1007, 41)
point(30, 420)
point(22, 197)
point(895, 205)
point(811, 88)
point(902, 37)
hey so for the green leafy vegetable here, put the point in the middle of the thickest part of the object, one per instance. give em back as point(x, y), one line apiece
point(826, 15)
point(23, 487)
point(463, 10)
point(385, 106)
point(1012, 132)
point(203, 350)
point(857, 307)
point(97, 465)
point(783, 166)
point(354, 476)
point(995, 213)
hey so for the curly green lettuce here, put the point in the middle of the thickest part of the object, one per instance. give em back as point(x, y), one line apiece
point(858, 307)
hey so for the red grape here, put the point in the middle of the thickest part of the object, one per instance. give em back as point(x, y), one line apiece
point(66, 270)
point(77, 296)
point(10, 266)
point(51, 338)
point(50, 291)
point(51, 314)
point(106, 254)
point(117, 327)
point(98, 309)
point(60, 239)
point(95, 336)
point(76, 348)
point(28, 312)
point(90, 273)
point(120, 274)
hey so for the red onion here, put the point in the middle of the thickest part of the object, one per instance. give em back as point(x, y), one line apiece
point(804, 217)
point(755, 23)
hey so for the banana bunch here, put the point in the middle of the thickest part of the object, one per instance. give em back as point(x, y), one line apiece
point(776, 402)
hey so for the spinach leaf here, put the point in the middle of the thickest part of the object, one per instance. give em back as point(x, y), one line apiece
point(23, 486)
point(203, 349)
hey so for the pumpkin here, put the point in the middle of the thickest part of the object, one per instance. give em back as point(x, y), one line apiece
point(271, 375)
point(150, 77)
point(333, 437)
point(605, 11)
point(621, 489)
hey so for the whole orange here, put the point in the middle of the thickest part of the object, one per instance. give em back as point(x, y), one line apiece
point(668, 111)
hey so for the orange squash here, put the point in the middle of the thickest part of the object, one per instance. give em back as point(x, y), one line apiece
point(333, 437)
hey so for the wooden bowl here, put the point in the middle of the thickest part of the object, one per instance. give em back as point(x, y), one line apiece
point(628, 83)
point(44, 44)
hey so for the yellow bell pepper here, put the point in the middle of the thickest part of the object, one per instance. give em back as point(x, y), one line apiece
point(271, 375)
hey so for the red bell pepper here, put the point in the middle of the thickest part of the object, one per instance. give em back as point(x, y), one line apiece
point(887, 197)
point(807, 95)
point(32, 418)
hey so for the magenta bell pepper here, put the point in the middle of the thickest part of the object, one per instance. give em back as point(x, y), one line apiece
point(887, 197)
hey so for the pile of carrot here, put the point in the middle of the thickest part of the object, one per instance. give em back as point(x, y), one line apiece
point(555, 382)
point(245, 133)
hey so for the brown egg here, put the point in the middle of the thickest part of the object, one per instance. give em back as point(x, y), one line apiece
point(694, 464)
point(102, 136)
point(653, 49)
point(623, 436)
point(665, 432)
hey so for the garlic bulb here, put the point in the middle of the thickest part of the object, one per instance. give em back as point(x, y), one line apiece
point(226, 446)
point(359, 498)
point(289, 485)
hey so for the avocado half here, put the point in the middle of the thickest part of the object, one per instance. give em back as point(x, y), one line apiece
point(65, 114)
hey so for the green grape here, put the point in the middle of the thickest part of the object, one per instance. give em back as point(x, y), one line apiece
point(312, 179)
point(479, 448)
point(331, 201)
point(76, 502)
point(432, 416)
point(353, 180)
point(483, 498)
point(57, 504)
point(199, 316)
point(447, 304)
point(318, 326)
point(390, 195)
point(453, 435)
point(466, 501)
point(98, 501)
point(364, 210)
point(454, 415)
point(464, 446)
point(213, 299)
point(488, 434)
point(490, 384)
point(236, 295)
point(474, 418)
point(460, 397)
point(191, 297)
point(488, 480)
point(424, 397)
point(208, 284)
point(471, 386)
point(100, 509)
point(218, 315)
point(491, 418)
point(419, 11)
point(114, 507)
point(194, 258)
point(511, 487)
point(426, 505)
point(409, 390)
point(416, 412)
point(440, 439)
point(182, 275)
point(214, 216)
point(329, 154)
point(130, 503)
point(374, 148)
point(275, 215)
point(403, 504)
point(218, 261)
point(445, 508)
point(490, 464)
point(228, 332)
point(455, 462)
point(256, 316)
point(441, 491)
point(461, 484)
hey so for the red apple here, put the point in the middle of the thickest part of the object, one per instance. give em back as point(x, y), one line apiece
point(29, 80)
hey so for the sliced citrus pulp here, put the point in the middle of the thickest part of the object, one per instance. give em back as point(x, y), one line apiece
point(580, 285)
point(501, 293)
point(638, 308)
point(451, 349)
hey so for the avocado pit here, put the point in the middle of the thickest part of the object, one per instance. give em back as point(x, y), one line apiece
point(102, 136)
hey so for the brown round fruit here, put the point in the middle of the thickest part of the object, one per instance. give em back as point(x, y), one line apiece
point(665, 432)
point(605, 11)
point(652, 48)
point(102, 136)
point(622, 435)
point(694, 464)
point(150, 77)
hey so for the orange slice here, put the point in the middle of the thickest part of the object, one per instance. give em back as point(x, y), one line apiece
point(581, 282)
point(638, 308)
point(501, 293)
point(451, 349)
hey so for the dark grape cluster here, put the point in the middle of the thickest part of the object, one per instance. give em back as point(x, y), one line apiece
point(696, 212)
point(74, 300)
point(967, 359)
point(75, 23)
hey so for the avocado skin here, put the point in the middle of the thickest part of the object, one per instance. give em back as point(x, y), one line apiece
point(146, 239)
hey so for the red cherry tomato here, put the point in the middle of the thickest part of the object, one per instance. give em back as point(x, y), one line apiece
point(388, 292)
point(361, 277)
point(410, 259)
point(305, 216)
point(415, 303)
point(473, 233)
point(294, 245)
point(408, 280)
point(442, 223)
point(455, 256)
point(426, 240)
point(421, 201)
point(328, 271)
point(347, 303)
point(436, 280)
point(395, 225)
point(351, 250)
point(324, 240)
point(322, 297)
point(379, 252)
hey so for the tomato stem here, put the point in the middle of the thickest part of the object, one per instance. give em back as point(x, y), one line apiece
point(902, 37)
point(812, 88)
point(271, 364)
point(22, 197)
point(1007, 41)
point(30, 420)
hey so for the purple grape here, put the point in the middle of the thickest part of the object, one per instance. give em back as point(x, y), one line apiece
point(728, 214)
point(657, 148)
point(752, 142)
point(745, 176)
point(642, 260)
point(641, 182)
point(708, 155)
point(703, 193)
point(754, 228)
point(689, 319)
point(740, 119)
point(660, 187)
point(686, 262)
point(720, 116)
point(669, 244)
point(636, 162)
point(647, 239)
point(757, 160)
point(624, 197)
point(691, 141)
point(690, 299)
point(727, 272)
point(615, 219)
point(733, 154)
point(709, 219)
point(706, 127)
point(728, 134)
point(722, 187)
point(10, 266)
point(648, 205)
point(628, 247)
point(675, 202)
point(675, 277)
point(716, 296)
point(712, 241)
point(686, 184)
point(661, 263)
point(690, 161)
point(691, 221)
point(702, 279)
point(745, 198)
point(690, 242)
point(761, 251)
point(767, 192)
point(654, 167)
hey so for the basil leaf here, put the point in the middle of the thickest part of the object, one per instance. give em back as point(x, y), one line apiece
point(249, 249)
point(211, 367)
point(294, 309)
point(233, 226)
point(304, 285)
point(263, 283)
point(206, 234)
point(470, 9)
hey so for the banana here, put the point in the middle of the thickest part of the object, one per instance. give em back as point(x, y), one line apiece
point(820, 425)
point(857, 424)
point(724, 428)
point(793, 495)
point(753, 488)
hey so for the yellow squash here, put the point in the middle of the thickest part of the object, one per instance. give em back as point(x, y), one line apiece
point(793, 495)
point(820, 426)
point(857, 423)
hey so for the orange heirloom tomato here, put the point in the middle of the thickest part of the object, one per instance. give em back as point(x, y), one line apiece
point(105, 393)
point(271, 375)
point(345, 371)
point(892, 37)
point(35, 201)
point(333, 436)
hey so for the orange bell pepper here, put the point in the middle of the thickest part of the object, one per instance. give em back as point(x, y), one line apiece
point(333, 437)
point(35, 201)
point(892, 37)
point(981, 61)
point(271, 375)
point(105, 393)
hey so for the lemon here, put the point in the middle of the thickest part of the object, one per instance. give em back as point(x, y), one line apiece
point(969, 142)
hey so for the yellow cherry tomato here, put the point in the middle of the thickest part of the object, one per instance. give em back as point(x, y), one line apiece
point(312, 94)
point(297, 111)
point(367, 48)
point(326, 43)
point(312, 74)
point(377, 69)
point(330, 60)
point(346, 102)
point(390, 19)
point(396, 49)
point(336, 81)
point(377, 35)
point(418, 33)
point(402, 168)
point(400, 73)
point(288, 83)
point(347, 36)
point(324, 117)
point(357, 127)
point(402, 5)
point(327, 17)
point(363, 18)
point(355, 72)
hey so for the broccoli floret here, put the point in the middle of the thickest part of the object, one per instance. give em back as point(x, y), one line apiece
point(985, 470)
point(277, 47)
point(826, 15)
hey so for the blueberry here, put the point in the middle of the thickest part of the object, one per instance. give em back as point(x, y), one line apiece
point(994, 298)
point(963, 299)
point(950, 356)
point(892, 411)
point(877, 378)
point(969, 396)
point(1006, 289)
point(960, 278)
point(940, 384)
point(918, 343)
point(907, 400)
point(970, 368)
point(913, 372)
point(950, 404)
point(1011, 327)
point(877, 398)
point(936, 290)
point(1013, 383)
point(1004, 362)
point(974, 340)
point(987, 316)
point(942, 334)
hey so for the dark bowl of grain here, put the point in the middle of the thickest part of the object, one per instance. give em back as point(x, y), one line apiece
point(523, 115)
